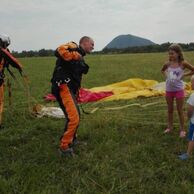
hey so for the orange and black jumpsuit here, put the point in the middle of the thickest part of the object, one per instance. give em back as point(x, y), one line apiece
point(66, 82)
point(5, 59)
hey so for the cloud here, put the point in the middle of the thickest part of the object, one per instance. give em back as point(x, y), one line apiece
point(46, 23)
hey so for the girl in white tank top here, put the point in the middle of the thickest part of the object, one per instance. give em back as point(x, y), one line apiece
point(174, 71)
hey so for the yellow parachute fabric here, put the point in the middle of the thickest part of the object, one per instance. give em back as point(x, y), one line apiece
point(133, 88)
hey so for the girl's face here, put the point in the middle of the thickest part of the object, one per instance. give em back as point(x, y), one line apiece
point(173, 56)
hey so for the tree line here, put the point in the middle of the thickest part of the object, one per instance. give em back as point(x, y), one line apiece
point(148, 49)
point(143, 49)
point(40, 53)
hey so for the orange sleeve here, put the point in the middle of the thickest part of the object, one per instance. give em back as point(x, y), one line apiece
point(68, 52)
point(11, 59)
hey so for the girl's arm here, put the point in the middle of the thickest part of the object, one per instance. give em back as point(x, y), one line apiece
point(189, 67)
point(164, 68)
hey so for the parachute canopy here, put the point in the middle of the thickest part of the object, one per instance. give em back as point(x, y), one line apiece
point(128, 89)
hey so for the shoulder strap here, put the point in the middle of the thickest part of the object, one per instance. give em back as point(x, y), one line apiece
point(11, 73)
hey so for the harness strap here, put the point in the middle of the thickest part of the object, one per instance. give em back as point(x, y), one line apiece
point(9, 92)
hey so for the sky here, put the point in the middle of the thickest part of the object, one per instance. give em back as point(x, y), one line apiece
point(37, 24)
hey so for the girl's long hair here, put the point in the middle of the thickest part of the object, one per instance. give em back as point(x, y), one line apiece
point(177, 48)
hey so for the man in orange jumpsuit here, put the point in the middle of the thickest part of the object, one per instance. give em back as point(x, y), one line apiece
point(6, 58)
point(66, 81)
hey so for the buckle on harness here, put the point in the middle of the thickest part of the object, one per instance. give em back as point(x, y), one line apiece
point(67, 80)
point(58, 83)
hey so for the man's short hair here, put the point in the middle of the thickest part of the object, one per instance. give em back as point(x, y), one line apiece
point(84, 38)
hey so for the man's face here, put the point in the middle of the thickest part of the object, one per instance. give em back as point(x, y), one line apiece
point(3, 45)
point(88, 46)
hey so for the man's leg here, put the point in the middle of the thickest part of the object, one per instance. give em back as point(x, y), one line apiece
point(71, 111)
point(1, 102)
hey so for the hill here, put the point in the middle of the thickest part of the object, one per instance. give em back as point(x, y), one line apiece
point(125, 41)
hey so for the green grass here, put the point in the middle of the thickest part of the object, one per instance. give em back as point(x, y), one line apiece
point(126, 151)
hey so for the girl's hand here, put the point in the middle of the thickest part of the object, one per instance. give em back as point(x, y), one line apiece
point(166, 74)
point(182, 76)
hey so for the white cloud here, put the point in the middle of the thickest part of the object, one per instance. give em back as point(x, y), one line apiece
point(46, 23)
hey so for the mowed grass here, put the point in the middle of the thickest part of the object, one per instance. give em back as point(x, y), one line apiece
point(122, 151)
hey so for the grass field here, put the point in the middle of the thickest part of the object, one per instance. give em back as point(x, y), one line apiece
point(124, 151)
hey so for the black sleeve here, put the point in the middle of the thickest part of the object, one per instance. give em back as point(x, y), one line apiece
point(85, 67)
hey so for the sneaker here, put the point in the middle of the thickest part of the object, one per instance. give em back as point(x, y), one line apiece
point(1, 126)
point(184, 156)
point(167, 130)
point(182, 134)
point(66, 152)
point(77, 142)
